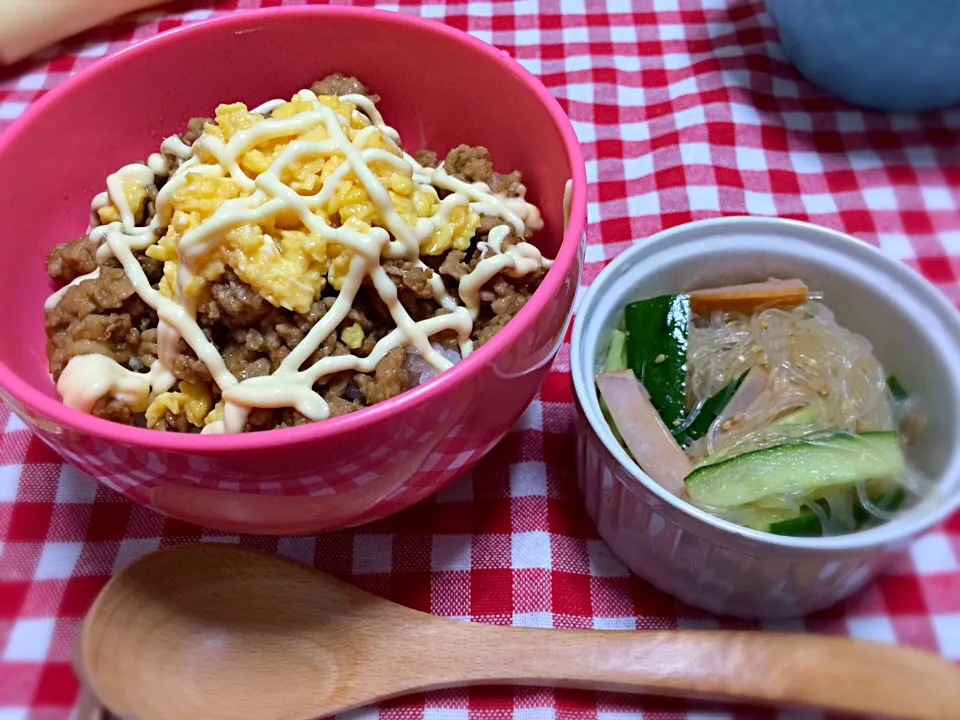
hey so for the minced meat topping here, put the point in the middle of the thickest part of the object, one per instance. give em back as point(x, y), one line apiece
point(448, 278)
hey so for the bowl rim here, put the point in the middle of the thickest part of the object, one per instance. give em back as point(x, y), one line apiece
point(65, 418)
point(858, 252)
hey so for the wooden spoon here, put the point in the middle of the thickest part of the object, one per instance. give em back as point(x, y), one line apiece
point(226, 633)
point(27, 26)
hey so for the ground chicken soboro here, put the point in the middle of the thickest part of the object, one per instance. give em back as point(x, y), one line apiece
point(104, 315)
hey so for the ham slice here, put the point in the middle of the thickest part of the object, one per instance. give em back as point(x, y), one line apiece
point(746, 395)
point(750, 391)
point(750, 298)
point(643, 431)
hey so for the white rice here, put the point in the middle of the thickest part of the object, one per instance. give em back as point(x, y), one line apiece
point(419, 370)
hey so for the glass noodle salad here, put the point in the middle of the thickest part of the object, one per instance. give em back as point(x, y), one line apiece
point(753, 404)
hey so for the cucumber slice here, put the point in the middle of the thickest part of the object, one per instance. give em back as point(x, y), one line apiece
point(895, 388)
point(803, 416)
point(808, 524)
point(886, 501)
point(613, 426)
point(616, 352)
point(616, 359)
point(711, 411)
point(657, 352)
point(804, 466)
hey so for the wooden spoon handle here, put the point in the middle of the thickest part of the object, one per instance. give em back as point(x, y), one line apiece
point(27, 26)
point(776, 668)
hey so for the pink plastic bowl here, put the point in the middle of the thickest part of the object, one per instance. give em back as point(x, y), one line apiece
point(440, 87)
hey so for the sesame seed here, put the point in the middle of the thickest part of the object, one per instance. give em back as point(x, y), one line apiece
point(764, 324)
point(659, 358)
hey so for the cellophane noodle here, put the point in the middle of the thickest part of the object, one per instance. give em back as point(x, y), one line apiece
point(812, 362)
point(822, 379)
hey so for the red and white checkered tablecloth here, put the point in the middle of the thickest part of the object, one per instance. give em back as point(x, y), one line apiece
point(686, 109)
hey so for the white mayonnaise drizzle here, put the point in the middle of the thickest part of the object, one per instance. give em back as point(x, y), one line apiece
point(88, 378)
point(518, 260)
point(268, 107)
point(157, 165)
point(55, 299)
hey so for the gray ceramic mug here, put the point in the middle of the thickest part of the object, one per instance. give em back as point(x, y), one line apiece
point(901, 55)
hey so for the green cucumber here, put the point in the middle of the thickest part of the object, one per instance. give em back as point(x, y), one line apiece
point(616, 352)
point(804, 525)
point(710, 411)
point(616, 359)
point(657, 352)
point(803, 466)
point(889, 501)
point(895, 388)
point(808, 524)
point(804, 416)
point(613, 426)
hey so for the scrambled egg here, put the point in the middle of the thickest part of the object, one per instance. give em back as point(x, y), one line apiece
point(135, 194)
point(352, 336)
point(192, 400)
point(280, 258)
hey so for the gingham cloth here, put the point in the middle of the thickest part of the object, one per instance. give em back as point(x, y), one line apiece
point(685, 110)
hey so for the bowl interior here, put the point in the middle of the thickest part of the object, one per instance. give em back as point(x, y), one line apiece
point(55, 160)
point(914, 331)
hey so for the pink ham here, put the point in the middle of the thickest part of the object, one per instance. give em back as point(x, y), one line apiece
point(643, 431)
point(751, 297)
point(750, 391)
point(746, 395)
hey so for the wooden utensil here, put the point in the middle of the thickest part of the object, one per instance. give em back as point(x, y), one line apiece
point(225, 633)
point(27, 25)
point(88, 706)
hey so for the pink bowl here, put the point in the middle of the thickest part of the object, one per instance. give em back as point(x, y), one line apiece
point(339, 472)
